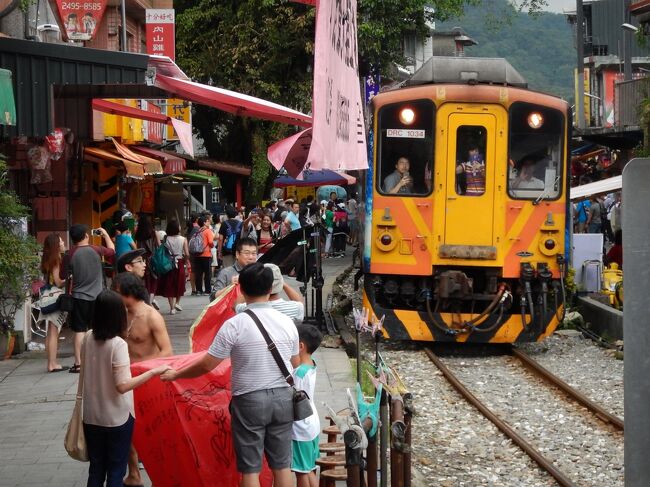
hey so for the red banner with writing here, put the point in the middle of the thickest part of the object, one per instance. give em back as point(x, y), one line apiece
point(79, 19)
point(161, 37)
point(182, 429)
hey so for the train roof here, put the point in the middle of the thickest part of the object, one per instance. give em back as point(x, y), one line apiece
point(467, 70)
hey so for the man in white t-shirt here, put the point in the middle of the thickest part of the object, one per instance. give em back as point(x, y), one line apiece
point(294, 308)
point(262, 405)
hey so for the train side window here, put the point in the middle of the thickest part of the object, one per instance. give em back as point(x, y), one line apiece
point(470, 160)
point(405, 148)
point(535, 153)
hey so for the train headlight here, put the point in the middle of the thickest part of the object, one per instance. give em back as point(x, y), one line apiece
point(386, 239)
point(549, 243)
point(407, 116)
point(535, 120)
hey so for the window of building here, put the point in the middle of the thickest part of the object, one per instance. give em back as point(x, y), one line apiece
point(535, 154)
point(405, 148)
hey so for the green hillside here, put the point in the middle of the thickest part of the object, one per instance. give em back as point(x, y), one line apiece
point(540, 47)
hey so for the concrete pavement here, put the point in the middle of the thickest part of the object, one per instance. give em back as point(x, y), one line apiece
point(35, 406)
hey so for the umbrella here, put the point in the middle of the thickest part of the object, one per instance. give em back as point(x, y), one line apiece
point(291, 153)
point(324, 192)
point(314, 178)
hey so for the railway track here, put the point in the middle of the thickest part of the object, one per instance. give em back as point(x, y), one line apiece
point(545, 463)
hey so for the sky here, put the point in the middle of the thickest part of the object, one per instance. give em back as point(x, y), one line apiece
point(559, 5)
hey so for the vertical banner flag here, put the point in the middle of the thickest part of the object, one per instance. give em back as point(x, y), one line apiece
point(339, 137)
point(80, 19)
point(161, 37)
point(184, 131)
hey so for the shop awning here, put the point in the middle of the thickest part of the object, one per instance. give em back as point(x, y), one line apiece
point(133, 169)
point(201, 178)
point(599, 187)
point(150, 165)
point(7, 102)
point(315, 178)
point(171, 164)
point(113, 108)
point(231, 101)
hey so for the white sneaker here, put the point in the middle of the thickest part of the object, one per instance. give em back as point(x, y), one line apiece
point(172, 312)
point(178, 307)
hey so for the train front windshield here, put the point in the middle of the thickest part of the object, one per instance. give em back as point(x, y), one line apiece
point(405, 148)
point(535, 152)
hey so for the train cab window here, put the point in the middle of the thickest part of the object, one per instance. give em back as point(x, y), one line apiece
point(470, 160)
point(535, 153)
point(405, 148)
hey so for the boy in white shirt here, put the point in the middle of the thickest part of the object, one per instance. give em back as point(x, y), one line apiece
point(306, 433)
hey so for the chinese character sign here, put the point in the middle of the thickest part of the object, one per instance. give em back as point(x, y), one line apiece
point(153, 131)
point(161, 38)
point(338, 139)
point(180, 110)
point(80, 19)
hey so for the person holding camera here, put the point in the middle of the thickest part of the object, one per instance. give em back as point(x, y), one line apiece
point(399, 181)
point(84, 266)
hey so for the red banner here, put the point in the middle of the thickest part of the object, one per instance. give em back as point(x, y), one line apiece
point(206, 326)
point(161, 37)
point(79, 19)
point(182, 428)
point(153, 130)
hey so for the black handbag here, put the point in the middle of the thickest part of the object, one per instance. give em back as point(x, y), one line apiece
point(301, 404)
point(66, 302)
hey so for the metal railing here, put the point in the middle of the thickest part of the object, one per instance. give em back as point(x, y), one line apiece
point(628, 96)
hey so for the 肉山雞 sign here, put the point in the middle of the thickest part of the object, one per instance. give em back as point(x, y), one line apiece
point(161, 37)
point(80, 19)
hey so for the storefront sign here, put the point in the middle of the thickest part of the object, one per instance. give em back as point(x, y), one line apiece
point(153, 131)
point(161, 38)
point(180, 110)
point(339, 134)
point(79, 19)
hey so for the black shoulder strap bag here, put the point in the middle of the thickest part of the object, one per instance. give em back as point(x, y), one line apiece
point(301, 404)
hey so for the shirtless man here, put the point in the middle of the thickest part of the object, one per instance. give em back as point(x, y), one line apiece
point(146, 337)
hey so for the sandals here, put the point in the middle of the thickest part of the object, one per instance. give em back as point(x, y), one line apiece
point(75, 369)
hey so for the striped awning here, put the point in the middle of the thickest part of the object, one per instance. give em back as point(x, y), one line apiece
point(171, 164)
point(151, 166)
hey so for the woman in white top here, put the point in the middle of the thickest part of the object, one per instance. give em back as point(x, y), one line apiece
point(108, 412)
point(172, 284)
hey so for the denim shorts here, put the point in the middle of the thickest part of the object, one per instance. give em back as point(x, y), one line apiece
point(261, 423)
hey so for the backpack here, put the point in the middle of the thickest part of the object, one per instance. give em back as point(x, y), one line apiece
point(232, 235)
point(196, 244)
point(162, 260)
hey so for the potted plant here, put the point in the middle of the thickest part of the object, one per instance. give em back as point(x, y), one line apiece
point(19, 261)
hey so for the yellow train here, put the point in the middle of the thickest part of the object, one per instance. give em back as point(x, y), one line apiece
point(466, 206)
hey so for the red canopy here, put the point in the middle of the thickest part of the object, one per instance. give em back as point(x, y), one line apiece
point(231, 101)
point(113, 108)
point(173, 164)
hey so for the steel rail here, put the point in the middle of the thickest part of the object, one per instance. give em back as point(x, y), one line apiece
point(533, 453)
point(554, 380)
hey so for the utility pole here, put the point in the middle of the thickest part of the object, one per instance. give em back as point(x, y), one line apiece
point(580, 44)
point(123, 9)
point(627, 44)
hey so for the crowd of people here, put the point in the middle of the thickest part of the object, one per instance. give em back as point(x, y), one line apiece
point(598, 214)
point(116, 322)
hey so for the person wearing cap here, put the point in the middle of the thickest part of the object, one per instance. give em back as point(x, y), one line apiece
point(294, 308)
point(84, 263)
point(245, 253)
point(133, 262)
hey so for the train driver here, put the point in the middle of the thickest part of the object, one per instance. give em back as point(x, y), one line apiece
point(525, 178)
point(474, 170)
point(399, 181)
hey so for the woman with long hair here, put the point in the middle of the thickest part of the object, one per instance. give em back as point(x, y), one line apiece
point(172, 284)
point(53, 249)
point(108, 411)
point(266, 236)
point(147, 238)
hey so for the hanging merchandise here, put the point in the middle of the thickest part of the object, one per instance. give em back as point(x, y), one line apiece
point(56, 142)
point(38, 158)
